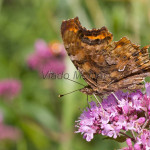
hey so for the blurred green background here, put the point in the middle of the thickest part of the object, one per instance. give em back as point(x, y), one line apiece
point(45, 121)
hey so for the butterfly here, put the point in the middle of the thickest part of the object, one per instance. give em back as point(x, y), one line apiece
point(105, 65)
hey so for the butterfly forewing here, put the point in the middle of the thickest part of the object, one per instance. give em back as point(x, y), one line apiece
point(104, 63)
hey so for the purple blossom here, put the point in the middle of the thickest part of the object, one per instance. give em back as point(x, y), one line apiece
point(119, 114)
point(9, 88)
point(147, 86)
point(8, 132)
point(129, 143)
point(142, 142)
point(47, 58)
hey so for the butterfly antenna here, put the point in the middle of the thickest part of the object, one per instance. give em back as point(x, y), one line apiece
point(98, 102)
point(75, 82)
point(115, 96)
point(69, 93)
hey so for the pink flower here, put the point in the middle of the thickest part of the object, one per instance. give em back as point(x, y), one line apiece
point(147, 86)
point(47, 58)
point(141, 120)
point(142, 141)
point(8, 132)
point(129, 142)
point(137, 147)
point(87, 121)
point(121, 113)
point(9, 88)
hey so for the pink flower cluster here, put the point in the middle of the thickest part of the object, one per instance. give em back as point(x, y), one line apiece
point(47, 58)
point(142, 141)
point(9, 88)
point(8, 132)
point(119, 113)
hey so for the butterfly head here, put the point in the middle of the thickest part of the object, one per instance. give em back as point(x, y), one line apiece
point(87, 90)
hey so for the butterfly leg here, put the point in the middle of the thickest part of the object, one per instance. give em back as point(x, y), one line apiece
point(98, 102)
point(88, 101)
point(115, 96)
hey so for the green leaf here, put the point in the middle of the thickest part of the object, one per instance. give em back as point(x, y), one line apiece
point(35, 134)
point(42, 115)
point(119, 139)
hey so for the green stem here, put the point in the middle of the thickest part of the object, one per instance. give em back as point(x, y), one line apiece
point(128, 136)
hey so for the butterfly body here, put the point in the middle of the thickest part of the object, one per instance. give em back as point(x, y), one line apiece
point(106, 65)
